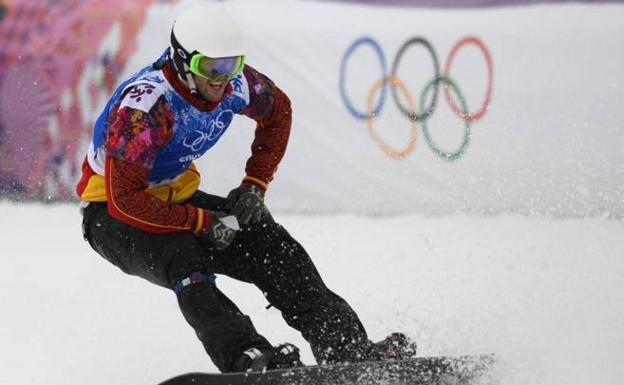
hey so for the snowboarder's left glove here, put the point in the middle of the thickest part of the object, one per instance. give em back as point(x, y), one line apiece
point(246, 202)
point(218, 227)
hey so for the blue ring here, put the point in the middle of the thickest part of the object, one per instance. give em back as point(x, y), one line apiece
point(343, 69)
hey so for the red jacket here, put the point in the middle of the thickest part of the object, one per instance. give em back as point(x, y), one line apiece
point(124, 184)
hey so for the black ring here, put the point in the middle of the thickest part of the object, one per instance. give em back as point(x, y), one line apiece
point(436, 65)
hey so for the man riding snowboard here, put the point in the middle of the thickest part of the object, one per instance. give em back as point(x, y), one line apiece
point(143, 211)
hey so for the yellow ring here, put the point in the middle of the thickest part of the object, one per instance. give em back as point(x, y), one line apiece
point(391, 152)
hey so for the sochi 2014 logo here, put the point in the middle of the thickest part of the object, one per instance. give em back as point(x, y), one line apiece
point(211, 133)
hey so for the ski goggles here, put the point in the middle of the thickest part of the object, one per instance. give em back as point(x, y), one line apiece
point(224, 68)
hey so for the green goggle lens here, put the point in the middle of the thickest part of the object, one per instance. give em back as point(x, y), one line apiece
point(217, 68)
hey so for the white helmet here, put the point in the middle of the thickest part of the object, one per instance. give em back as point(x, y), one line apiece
point(206, 30)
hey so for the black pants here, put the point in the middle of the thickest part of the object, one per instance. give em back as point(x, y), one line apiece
point(263, 254)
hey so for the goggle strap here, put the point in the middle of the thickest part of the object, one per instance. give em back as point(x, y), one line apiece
point(190, 82)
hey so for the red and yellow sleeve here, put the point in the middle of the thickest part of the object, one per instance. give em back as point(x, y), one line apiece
point(270, 108)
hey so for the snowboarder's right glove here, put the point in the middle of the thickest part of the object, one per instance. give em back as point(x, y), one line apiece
point(218, 227)
point(247, 203)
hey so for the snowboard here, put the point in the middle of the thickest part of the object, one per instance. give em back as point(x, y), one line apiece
point(460, 370)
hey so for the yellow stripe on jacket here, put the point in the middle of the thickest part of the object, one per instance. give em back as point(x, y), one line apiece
point(182, 188)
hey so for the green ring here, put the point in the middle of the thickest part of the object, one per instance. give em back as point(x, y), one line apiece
point(449, 156)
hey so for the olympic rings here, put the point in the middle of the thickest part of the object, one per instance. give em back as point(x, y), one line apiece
point(460, 151)
point(394, 81)
point(343, 70)
point(393, 153)
point(471, 117)
point(436, 68)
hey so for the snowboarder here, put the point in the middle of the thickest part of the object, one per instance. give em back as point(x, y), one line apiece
point(143, 211)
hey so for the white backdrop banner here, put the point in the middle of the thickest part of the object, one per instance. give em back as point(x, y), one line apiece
point(540, 132)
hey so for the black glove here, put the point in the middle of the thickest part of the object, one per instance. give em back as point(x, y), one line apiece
point(220, 229)
point(247, 203)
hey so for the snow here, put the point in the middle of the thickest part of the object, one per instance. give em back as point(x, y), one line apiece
point(546, 295)
point(543, 290)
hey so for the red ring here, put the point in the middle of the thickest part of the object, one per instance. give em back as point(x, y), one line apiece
point(467, 116)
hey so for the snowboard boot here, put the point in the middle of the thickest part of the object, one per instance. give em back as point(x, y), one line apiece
point(280, 357)
point(397, 346)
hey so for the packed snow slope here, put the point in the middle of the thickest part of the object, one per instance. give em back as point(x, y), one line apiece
point(547, 296)
point(550, 143)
